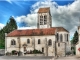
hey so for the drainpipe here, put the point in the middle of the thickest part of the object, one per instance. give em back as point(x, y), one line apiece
point(19, 45)
point(5, 43)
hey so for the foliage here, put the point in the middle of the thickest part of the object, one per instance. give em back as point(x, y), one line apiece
point(74, 41)
point(75, 38)
point(10, 26)
point(8, 53)
point(33, 52)
point(14, 52)
point(73, 50)
point(36, 51)
point(68, 53)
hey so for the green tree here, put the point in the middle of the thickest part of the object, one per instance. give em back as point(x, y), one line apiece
point(74, 41)
point(10, 26)
point(75, 38)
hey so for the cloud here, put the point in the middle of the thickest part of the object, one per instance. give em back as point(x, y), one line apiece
point(30, 20)
point(1, 25)
point(66, 16)
point(23, 28)
point(9, 1)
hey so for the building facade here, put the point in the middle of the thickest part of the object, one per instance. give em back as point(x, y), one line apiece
point(78, 44)
point(51, 41)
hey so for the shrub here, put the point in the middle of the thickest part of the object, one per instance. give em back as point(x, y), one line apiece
point(8, 53)
point(68, 53)
point(36, 51)
point(14, 52)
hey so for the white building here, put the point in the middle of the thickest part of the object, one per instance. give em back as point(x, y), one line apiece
point(52, 41)
point(78, 44)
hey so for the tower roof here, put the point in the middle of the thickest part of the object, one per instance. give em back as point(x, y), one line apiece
point(44, 10)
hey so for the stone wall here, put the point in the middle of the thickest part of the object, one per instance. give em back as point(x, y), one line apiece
point(2, 51)
point(60, 47)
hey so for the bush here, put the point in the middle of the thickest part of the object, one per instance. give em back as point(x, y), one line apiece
point(14, 52)
point(36, 51)
point(8, 53)
point(68, 53)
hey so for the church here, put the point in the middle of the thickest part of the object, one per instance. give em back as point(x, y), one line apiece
point(51, 41)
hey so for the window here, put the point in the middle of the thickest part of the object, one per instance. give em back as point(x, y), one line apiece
point(61, 37)
point(42, 49)
point(28, 41)
point(39, 41)
point(13, 42)
point(41, 20)
point(58, 44)
point(45, 19)
point(50, 42)
point(57, 36)
point(67, 37)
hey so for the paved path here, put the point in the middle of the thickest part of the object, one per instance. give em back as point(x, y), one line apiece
point(37, 58)
point(68, 58)
point(24, 58)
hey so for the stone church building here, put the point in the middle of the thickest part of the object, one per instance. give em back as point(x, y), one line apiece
point(51, 41)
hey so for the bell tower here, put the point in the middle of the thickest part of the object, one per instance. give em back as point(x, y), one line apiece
point(44, 18)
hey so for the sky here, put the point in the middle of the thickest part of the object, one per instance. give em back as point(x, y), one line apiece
point(65, 13)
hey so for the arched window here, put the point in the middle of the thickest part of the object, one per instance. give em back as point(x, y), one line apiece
point(67, 37)
point(45, 19)
point(57, 37)
point(50, 42)
point(13, 42)
point(39, 41)
point(41, 20)
point(61, 37)
point(58, 44)
point(28, 41)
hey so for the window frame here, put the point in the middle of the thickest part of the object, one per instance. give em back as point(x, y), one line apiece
point(61, 38)
point(28, 41)
point(13, 42)
point(39, 42)
point(49, 42)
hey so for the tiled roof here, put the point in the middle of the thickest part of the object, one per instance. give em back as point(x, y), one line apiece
point(43, 10)
point(36, 32)
point(61, 29)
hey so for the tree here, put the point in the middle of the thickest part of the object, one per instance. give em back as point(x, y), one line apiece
point(75, 38)
point(74, 41)
point(10, 26)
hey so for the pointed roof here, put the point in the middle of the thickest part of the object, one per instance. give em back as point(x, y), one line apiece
point(44, 10)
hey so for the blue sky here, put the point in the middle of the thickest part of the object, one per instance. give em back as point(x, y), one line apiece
point(18, 8)
point(64, 12)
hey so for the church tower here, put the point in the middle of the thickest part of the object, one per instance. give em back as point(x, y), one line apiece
point(44, 18)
